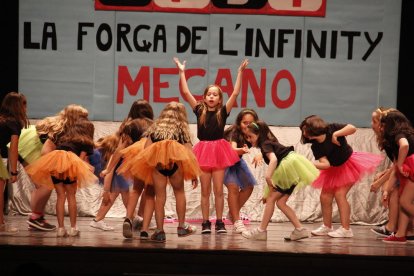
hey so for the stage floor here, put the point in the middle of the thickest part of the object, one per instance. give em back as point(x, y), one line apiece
point(98, 252)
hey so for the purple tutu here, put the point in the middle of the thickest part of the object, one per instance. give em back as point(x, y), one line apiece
point(347, 174)
point(217, 154)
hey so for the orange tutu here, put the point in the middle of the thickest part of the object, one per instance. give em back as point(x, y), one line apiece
point(128, 155)
point(61, 164)
point(163, 154)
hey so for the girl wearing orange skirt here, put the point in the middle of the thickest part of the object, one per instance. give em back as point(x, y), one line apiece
point(168, 158)
point(65, 169)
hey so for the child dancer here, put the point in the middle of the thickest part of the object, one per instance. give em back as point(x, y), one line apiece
point(140, 109)
point(50, 129)
point(12, 119)
point(213, 153)
point(340, 167)
point(66, 168)
point(398, 135)
point(167, 158)
point(286, 170)
point(387, 175)
point(238, 178)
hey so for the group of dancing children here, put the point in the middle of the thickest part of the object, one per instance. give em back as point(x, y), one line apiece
point(147, 154)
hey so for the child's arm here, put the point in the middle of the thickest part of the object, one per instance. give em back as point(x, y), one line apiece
point(345, 131)
point(380, 179)
point(271, 168)
point(322, 163)
point(388, 186)
point(13, 156)
point(236, 91)
point(48, 146)
point(194, 181)
point(240, 151)
point(187, 93)
point(114, 159)
point(402, 154)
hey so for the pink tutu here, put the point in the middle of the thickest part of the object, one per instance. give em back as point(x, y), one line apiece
point(347, 174)
point(217, 154)
point(408, 166)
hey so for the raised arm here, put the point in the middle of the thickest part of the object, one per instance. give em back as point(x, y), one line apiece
point(187, 93)
point(236, 91)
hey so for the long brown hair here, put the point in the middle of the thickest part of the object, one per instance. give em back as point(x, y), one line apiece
point(14, 106)
point(204, 107)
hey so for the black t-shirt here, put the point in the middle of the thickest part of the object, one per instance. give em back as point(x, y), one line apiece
point(280, 150)
point(8, 128)
point(336, 155)
point(395, 147)
point(211, 130)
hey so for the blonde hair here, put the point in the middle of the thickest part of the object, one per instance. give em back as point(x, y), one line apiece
point(172, 124)
point(380, 112)
point(66, 118)
point(108, 145)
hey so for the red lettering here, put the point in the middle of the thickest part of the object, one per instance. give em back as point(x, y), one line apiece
point(125, 80)
point(157, 72)
point(259, 91)
point(283, 74)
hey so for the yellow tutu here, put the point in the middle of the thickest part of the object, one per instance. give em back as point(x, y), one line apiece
point(128, 154)
point(163, 154)
point(61, 164)
point(30, 147)
point(4, 173)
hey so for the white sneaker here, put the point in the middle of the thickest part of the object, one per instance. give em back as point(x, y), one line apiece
point(152, 225)
point(341, 233)
point(101, 225)
point(297, 234)
point(322, 230)
point(238, 227)
point(8, 230)
point(255, 234)
point(73, 232)
point(61, 232)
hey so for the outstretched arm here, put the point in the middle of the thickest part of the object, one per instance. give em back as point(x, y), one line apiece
point(187, 93)
point(236, 91)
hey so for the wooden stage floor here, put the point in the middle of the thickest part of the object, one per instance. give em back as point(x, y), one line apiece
point(97, 252)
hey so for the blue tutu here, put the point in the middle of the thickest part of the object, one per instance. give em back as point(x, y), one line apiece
point(96, 161)
point(240, 174)
point(119, 183)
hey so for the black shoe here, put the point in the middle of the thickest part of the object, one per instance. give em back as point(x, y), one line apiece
point(143, 235)
point(127, 229)
point(381, 231)
point(220, 228)
point(206, 227)
point(41, 224)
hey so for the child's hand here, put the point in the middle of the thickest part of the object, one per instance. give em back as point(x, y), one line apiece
point(258, 160)
point(404, 170)
point(13, 179)
point(335, 139)
point(264, 200)
point(375, 187)
point(245, 148)
point(385, 199)
point(243, 65)
point(180, 66)
point(194, 183)
point(103, 173)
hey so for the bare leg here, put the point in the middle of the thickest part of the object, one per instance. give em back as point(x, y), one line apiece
point(233, 201)
point(291, 215)
point(343, 206)
point(205, 180)
point(269, 208)
point(2, 186)
point(60, 204)
point(71, 195)
point(40, 197)
point(104, 208)
point(326, 199)
point(149, 207)
point(177, 183)
point(393, 210)
point(218, 178)
point(160, 185)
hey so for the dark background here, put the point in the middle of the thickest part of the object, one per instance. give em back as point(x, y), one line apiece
point(9, 27)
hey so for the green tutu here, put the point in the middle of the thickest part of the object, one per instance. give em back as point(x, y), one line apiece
point(4, 173)
point(294, 169)
point(30, 147)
